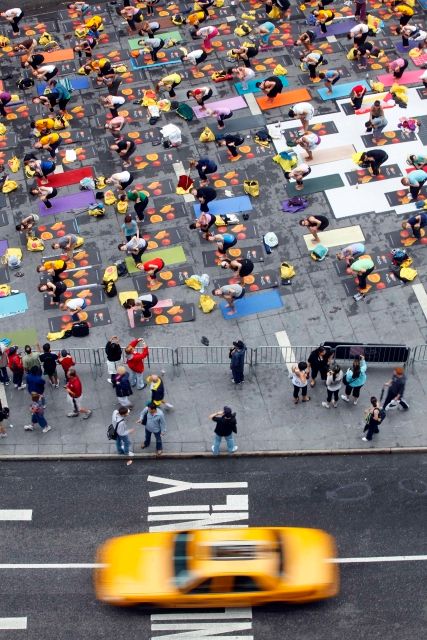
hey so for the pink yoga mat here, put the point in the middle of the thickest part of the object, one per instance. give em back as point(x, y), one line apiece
point(233, 103)
point(409, 77)
point(79, 200)
point(131, 312)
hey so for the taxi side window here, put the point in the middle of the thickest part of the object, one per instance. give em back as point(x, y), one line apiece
point(244, 584)
point(203, 587)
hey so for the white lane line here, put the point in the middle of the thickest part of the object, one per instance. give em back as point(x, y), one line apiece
point(254, 108)
point(15, 514)
point(421, 295)
point(13, 623)
point(287, 354)
point(69, 565)
point(378, 559)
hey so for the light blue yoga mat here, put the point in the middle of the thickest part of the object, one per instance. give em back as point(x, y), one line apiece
point(254, 303)
point(77, 82)
point(135, 66)
point(229, 205)
point(252, 88)
point(11, 305)
point(342, 90)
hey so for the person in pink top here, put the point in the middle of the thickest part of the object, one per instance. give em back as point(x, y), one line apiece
point(207, 33)
point(397, 67)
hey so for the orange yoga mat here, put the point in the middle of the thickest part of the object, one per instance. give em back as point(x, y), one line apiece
point(58, 56)
point(287, 97)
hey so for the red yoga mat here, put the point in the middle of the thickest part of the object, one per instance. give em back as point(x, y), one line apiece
point(67, 178)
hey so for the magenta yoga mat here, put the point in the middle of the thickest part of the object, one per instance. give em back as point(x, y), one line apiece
point(409, 77)
point(232, 103)
point(73, 201)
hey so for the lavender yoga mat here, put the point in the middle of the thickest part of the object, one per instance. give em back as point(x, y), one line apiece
point(233, 103)
point(3, 246)
point(79, 200)
point(336, 28)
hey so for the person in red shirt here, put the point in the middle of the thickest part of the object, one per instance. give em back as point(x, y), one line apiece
point(356, 96)
point(74, 390)
point(66, 361)
point(152, 268)
point(15, 364)
point(135, 362)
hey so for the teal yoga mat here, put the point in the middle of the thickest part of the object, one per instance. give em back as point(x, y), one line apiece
point(252, 88)
point(256, 303)
point(341, 90)
point(12, 305)
point(229, 205)
point(315, 184)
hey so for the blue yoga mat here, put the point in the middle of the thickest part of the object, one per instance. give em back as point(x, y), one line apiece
point(229, 205)
point(135, 66)
point(11, 305)
point(77, 82)
point(256, 303)
point(252, 88)
point(342, 90)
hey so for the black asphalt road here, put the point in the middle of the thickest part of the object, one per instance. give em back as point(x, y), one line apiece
point(374, 506)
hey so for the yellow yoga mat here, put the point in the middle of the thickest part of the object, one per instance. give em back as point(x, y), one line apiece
point(336, 237)
point(321, 156)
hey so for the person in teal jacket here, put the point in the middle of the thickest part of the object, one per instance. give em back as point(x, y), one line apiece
point(354, 379)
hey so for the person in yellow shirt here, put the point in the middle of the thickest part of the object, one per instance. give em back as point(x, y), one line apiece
point(169, 83)
point(323, 18)
point(42, 126)
point(403, 12)
point(53, 268)
point(50, 142)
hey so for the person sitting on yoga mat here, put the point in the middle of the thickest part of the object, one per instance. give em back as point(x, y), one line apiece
point(306, 39)
point(204, 166)
point(200, 95)
point(410, 32)
point(324, 17)
point(45, 194)
point(145, 303)
point(415, 181)
point(240, 266)
point(312, 60)
point(66, 244)
point(417, 161)
point(271, 86)
point(230, 293)
point(298, 174)
point(416, 223)
point(351, 252)
point(330, 78)
point(362, 268)
point(204, 222)
point(356, 96)
point(204, 195)
point(315, 224)
point(373, 159)
point(245, 53)
point(397, 67)
point(304, 111)
point(224, 241)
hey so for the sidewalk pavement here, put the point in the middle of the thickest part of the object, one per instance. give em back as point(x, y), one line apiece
point(267, 419)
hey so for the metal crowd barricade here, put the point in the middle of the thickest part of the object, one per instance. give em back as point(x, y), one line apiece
point(207, 355)
point(274, 354)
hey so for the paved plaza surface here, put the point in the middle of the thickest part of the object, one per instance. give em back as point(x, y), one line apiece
point(318, 305)
point(374, 506)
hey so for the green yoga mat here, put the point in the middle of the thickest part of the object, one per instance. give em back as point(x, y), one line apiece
point(21, 337)
point(171, 255)
point(315, 184)
point(168, 35)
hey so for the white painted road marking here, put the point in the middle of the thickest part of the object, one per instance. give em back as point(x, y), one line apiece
point(54, 565)
point(16, 514)
point(378, 559)
point(13, 623)
point(179, 485)
point(284, 342)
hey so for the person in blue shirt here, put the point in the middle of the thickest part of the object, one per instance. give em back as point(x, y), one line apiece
point(224, 241)
point(416, 223)
point(415, 182)
point(354, 379)
point(129, 227)
point(330, 78)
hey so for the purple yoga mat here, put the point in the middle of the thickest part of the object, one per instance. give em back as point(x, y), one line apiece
point(3, 246)
point(233, 103)
point(79, 200)
point(336, 28)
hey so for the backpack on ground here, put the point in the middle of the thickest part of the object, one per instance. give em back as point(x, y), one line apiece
point(25, 83)
point(184, 111)
point(251, 187)
point(80, 329)
point(122, 269)
point(109, 288)
point(319, 252)
point(287, 271)
point(407, 274)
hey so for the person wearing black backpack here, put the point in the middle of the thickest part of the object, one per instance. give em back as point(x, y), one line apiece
point(374, 417)
point(122, 432)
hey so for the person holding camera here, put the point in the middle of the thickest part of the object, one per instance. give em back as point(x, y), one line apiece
point(354, 379)
point(333, 385)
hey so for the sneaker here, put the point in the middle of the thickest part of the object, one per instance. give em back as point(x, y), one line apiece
point(345, 398)
point(47, 429)
point(87, 415)
point(72, 415)
point(28, 427)
point(168, 405)
point(16, 386)
point(131, 453)
point(235, 448)
point(109, 380)
point(6, 384)
point(22, 387)
point(355, 401)
point(325, 404)
point(57, 386)
point(364, 439)
point(3, 435)
point(213, 450)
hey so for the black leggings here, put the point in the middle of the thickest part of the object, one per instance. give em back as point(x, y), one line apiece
point(353, 390)
point(201, 101)
point(332, 394)
point(399, 72)
point(15, 23)
point(303, 391)
point(139, 208)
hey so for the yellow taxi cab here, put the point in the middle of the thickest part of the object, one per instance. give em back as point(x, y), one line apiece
point(217, 567)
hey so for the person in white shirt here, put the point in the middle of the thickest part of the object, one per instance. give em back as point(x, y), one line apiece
point(118, 420)
point(74, 306)
point(112, 102)
point(304, 111)
point(46, 72)
point(14, 16)
point(243, 74)
point(136, 247)
point(194, 57)
point(359, 33)
point(153, 44)
point(120, 180)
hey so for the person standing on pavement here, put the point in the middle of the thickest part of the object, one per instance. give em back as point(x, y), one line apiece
point(118, 420)
point(354, 379)
point(300, 375)
point(4, 414)
point(4, 376)
point(35, 382)
point(373, 419)
point(318, 361)
point(396, 389)
point(135, 362)
point(14, 362)
point(333, 385)
point(113, 352)
point(237, 355)
point(122, 387)
point(154, 422)
point(157, 389)
point(30, 358)
point(49, 360)
point(225, 426)
point(37, 414)
point(75, 390)
point(66, 360)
